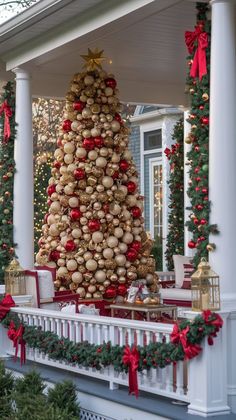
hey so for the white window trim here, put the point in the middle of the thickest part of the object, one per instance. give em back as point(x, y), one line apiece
point(145, 128)
point(153, 162)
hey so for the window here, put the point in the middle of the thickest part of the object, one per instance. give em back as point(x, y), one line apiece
point(152, 140)
point(156, 197)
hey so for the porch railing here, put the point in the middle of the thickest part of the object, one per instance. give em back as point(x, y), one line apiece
point(170, 381)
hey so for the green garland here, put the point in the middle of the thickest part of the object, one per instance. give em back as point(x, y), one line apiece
point(41, 177)
point(159, 354)
point(7, 168)
point(175, 237)
point(198, 156)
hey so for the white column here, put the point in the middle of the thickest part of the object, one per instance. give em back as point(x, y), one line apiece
point(187, 147)
point(23, 216)
point(207, 377)
point(222, 165)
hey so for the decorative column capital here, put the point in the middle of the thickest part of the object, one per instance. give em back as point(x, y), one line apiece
point(21, 74)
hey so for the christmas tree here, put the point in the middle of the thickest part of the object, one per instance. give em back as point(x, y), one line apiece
point(93, 232)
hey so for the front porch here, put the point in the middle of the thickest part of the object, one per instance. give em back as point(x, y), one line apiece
point(192, 383)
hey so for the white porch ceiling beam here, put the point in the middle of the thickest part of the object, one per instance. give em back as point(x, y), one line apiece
point(104, 14)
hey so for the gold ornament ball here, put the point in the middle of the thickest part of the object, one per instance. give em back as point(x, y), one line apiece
point(210, 247)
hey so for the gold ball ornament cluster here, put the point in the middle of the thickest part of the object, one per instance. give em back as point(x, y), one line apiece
point(94, 230)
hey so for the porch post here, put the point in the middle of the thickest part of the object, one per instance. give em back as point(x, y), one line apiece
point(23, 180)
point(222, 165)
point(207, 377)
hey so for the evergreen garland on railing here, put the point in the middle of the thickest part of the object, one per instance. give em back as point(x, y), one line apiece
point(198, 156)
point(7, 168)
point(175, 237)
point(186, 338)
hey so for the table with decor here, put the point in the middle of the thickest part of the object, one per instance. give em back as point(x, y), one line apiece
point(146, 312)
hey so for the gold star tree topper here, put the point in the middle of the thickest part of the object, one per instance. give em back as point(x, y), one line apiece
point(93, 59)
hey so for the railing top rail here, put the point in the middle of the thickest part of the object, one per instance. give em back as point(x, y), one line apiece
point(93, 319)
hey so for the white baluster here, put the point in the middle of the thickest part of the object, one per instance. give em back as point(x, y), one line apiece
point(121, 336)
point(71, 331)
point(90, 333)
point(105, 333)
point(180, 378)
point(78, 332)
point(99, 334)
point(58, 327)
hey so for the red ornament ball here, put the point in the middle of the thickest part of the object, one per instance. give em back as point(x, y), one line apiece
point(191, 244)
point(204, 190)
point(57, 164)
point(79, 173)
point(59, 143)
point(131, 255)
point(75, 214)
point(110, 82)
point(136, 212)
point(131, 186)
point(196, 148)
point(121, 290)
point(205, 198)
point(94, 225)
point(110, 292)
point(124, 165)
point(199, 207)
point(51, 189)
point(79, 106)
point(201, 107)
point(66, 126)
point(5, 177)
point(118, 117)
point(203, 222)
point(205, 120)
point(54, 255)
point(70, 246)
point(136, 245)
point(196, 170)
point(46, 217)
point(98, 141)
point(89, 143)
point(196, 221)
point(116, 175)
point(197, 189)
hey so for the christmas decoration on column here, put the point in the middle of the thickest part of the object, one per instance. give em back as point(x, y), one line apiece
point(7, 167)
point(198, 81)
point(175, 237)
point(93, 232)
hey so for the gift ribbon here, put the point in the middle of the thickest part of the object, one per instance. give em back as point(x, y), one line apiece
point(7, 113)
point(199, 66)
point(131, 358)
point(16, 335)
point(180, 336)
point(5, 305)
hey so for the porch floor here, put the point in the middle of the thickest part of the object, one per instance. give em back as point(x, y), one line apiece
point(155, 405)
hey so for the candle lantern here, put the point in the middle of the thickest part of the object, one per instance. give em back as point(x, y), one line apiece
point(15, 279)
point(205, 288)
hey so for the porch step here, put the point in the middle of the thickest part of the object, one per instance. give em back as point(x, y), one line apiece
point(102, 403)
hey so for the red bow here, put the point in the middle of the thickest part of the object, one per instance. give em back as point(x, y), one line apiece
point(131, 358)
point(16, 335)
point(199, 66)
point(5, 305)
point(167, 152)
point(180, 336)
point(215, 320)
point(7, 113)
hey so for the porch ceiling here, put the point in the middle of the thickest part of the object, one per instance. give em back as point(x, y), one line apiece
point(144, 40)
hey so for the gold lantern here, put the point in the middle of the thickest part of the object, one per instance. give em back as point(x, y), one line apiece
point(15, 279)
point(205, 288)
